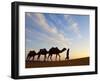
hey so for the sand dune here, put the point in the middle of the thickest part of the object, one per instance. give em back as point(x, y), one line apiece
point(74, 62)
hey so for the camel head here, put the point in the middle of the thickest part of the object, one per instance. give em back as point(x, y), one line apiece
point(63, 49)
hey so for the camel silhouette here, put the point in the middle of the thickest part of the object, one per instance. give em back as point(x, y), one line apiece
point(55, 51)
point(42, 52)
point(51, 52)
point(30, 55)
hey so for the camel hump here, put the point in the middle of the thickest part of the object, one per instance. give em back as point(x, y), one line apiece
point(42, 50)
point(32, 52)
point(53, 49)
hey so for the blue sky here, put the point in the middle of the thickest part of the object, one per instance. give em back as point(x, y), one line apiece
point(45, 30)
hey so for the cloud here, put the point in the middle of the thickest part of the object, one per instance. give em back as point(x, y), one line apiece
point(73, 25)
point(40, 20)
point(50, 35)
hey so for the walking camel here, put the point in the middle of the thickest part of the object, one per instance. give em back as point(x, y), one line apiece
point(55, 51)
point(42, 52)
point(30, 55)
point(33, 54)
point(51, 52)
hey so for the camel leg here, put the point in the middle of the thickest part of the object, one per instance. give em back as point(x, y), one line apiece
point(68, 57)
point(56, 57)
point(28, 58)
point(59, 57)
point(33, 58)
point(44, 57)
point(38, 58)
point(48, 56)
point(51, 57)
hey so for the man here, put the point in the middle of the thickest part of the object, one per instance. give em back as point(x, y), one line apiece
point(67, 55)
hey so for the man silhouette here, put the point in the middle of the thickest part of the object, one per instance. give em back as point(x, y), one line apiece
point(67, 55)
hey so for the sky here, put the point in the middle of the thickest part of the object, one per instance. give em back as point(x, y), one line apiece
point(46, 30)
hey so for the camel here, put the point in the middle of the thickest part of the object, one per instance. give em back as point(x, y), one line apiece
point(55, 51)
point(51, 52)
point(33, 54)
point(30, 55)
point(42, 52)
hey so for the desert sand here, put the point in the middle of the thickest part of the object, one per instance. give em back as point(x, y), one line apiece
point(73, 62)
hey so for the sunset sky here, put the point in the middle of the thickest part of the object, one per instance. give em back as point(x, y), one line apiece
point(46, 30)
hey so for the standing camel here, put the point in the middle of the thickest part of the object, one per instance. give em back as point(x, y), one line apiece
point(42, 52)
point(30, 55)
point(55, 51)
